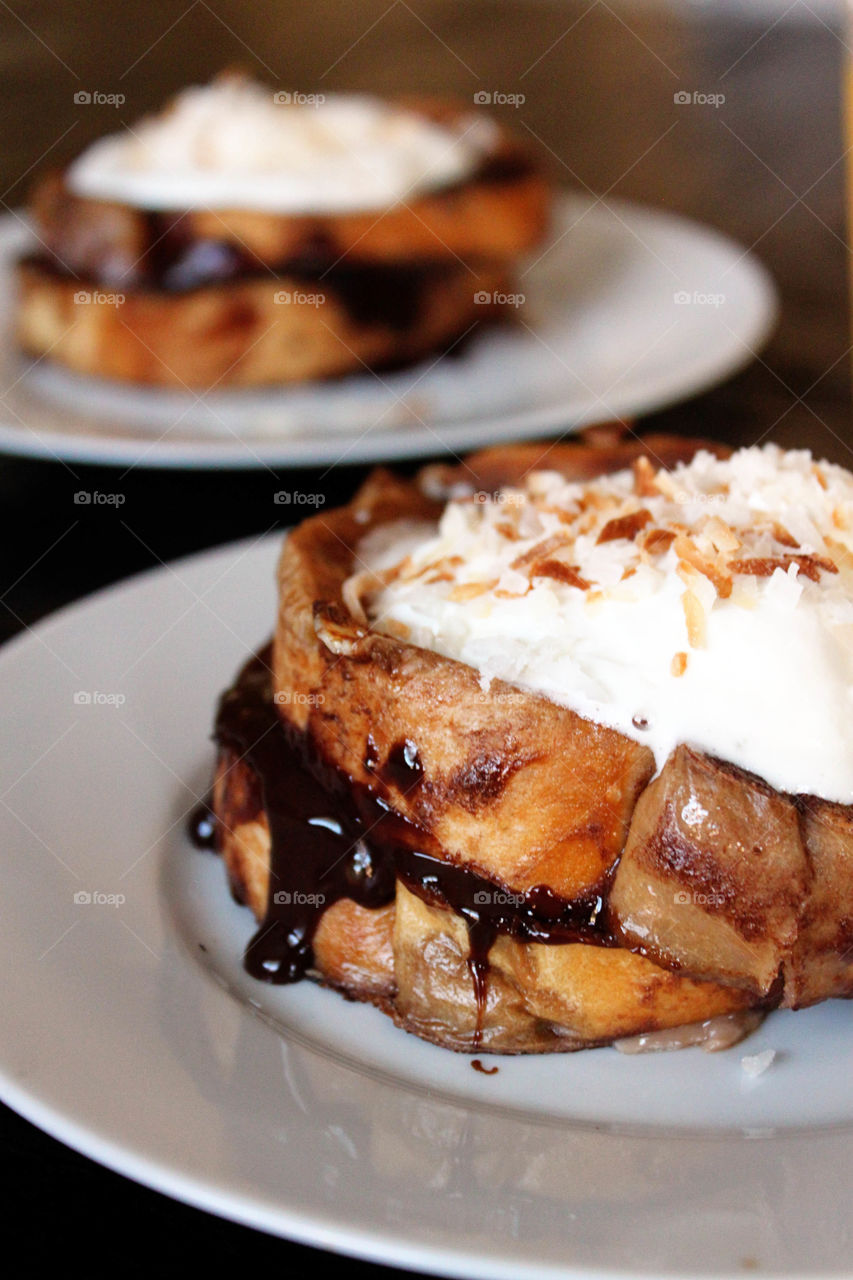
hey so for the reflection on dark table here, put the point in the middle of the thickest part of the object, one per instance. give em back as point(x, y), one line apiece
point(766, 166)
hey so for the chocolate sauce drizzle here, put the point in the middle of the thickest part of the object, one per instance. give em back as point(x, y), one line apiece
point(484, 1071)
point(384, 295)
point(334, 838)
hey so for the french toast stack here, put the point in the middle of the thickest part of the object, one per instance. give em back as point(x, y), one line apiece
point(504, 874)
point(205, 297)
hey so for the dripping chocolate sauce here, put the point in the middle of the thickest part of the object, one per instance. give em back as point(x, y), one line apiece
point(484, 1071)
point(333, 838)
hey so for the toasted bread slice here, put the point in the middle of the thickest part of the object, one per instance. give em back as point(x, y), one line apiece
point(249, 331)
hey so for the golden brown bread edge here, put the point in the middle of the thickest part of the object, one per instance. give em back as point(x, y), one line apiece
point(756, 900)
point(474, 218)
point(410, 958)
point(237, 334)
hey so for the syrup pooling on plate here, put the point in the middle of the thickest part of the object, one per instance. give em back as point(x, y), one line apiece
point(331, 839)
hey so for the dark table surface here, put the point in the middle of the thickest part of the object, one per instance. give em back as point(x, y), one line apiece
point(767, 166)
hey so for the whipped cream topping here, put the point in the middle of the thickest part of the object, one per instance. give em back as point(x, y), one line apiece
point(234, 144)
point(710, 605)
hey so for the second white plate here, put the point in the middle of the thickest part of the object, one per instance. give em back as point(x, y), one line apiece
point(625, 309)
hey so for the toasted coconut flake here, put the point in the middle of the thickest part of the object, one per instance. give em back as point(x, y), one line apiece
point(685, 571)
point(819, 476)
point(566, 515)
point(658, 541)
point(541, 551)
point(722, 535)
point(782, 536)
point(471, 590)
point(842, 555)
point(644, 478)
point(839, 518)
point(668, 487)
point(627, 526)
point(713, 570)
point(508, 530)
point(436, 570)
point(601, 501)
point(765, 566)
point(568, 573)
point(694, 616)
point(678, 666)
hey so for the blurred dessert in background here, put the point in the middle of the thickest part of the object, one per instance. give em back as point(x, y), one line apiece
point(244, 237)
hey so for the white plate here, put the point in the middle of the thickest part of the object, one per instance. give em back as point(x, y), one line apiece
point(293, 1110)
point(628, 310)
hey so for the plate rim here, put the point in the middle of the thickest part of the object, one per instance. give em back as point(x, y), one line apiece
point(401, 443)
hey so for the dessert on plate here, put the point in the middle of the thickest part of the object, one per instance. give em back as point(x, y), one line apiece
point(551, 749)
point(244, 237)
